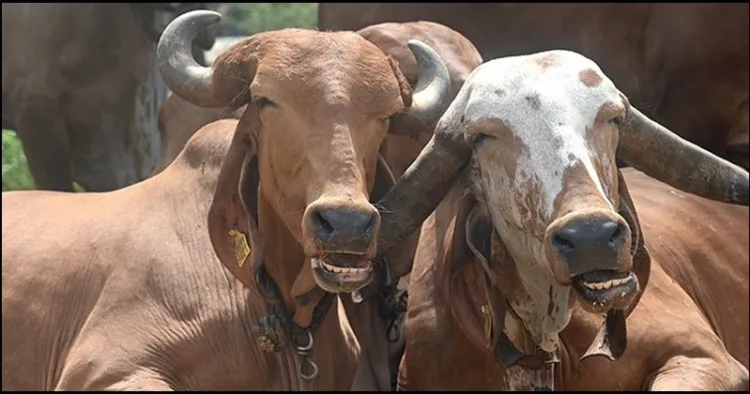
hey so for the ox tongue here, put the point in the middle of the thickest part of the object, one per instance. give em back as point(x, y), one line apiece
point(612, 339)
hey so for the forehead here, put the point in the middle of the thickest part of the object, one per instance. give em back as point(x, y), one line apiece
point(330, 63)
point(556, 88)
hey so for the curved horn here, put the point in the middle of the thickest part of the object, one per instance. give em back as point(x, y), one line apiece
point(421, 188)
point(182, 74)
point(432, 93)
point(654, 149)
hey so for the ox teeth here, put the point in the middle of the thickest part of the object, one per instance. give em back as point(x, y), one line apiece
point(606, 285)
point(337, 270)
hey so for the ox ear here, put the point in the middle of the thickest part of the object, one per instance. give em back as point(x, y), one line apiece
point(234, 71)
point(611, 340)
point(407, 92)
point(233, 215)
point(402, 123)
point(468, 288)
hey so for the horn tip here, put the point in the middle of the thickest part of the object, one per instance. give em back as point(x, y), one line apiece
point(414, 43)
point(205, 17)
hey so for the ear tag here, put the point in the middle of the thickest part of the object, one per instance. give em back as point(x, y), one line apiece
point(241, 248)
point(487, 313)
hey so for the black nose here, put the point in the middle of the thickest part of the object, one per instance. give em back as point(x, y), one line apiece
point(589, 244)
point(343, 230)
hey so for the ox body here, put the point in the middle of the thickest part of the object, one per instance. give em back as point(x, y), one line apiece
point(123, 291)
point(539, 255)
point(81, 89)
point(663, 56)
point(138, 297)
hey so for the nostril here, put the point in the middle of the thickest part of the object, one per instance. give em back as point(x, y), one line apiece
point(562, 244)
point(617, 236)
point(370, 224)
point(322, 223)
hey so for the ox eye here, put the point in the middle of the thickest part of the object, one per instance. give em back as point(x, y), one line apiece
point(263, 102)
point(616, 121)
point(479, 138)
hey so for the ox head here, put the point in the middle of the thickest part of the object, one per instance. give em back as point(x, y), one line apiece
point(544, 131)
point(319, 105)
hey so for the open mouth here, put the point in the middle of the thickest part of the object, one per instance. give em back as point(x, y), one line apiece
point(342, 272)
point(603, 290)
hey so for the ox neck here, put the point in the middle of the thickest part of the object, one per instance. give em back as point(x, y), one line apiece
point(284, 256)
point(540, 304)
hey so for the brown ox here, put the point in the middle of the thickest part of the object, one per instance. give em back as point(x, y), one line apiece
point(662, 56)
point(542, 224)
point(178, 119)
point(129, 279)
point(80, 88)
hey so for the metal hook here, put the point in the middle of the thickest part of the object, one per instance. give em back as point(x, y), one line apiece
point(313, 374)
point(310, 342)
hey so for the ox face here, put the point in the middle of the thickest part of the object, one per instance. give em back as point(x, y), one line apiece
point(319, 106)
point(321, 126)
point(544, 130)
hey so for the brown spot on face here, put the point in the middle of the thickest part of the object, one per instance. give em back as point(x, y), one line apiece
point(534, 101)
point(528, 198)
point(548, 60)
point(551, 304)
point(590, 78)
point(507, 275)
point(499, 92)
point(510, 145)
point(579, 192)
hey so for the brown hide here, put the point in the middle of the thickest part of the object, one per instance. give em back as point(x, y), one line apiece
point(455, 279)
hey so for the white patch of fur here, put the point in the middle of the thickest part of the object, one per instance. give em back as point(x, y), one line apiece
point(523, 379)
point(536, 281)
point(554, 138)
point(555, 133)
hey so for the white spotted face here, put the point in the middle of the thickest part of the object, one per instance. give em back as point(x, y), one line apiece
point(540, 124)
point(544, 129)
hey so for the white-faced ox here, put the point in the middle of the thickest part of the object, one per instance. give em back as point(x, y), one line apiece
point(541, 222)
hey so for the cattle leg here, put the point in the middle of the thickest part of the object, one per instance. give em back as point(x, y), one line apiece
point(44, 137)
point(700, 374)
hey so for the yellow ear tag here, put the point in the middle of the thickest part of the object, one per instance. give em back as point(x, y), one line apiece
point(241, 248)
point(487, 312)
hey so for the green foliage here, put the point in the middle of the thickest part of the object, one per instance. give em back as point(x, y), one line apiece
point(244, 19)
point(16, 175)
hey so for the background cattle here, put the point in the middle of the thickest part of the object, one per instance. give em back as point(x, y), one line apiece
point(685, 65)
point(80, 87)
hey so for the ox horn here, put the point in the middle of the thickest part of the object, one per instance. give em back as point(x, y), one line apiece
point(652, 148)
point(422, 186)
point(432, 93)
point(182, 74)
